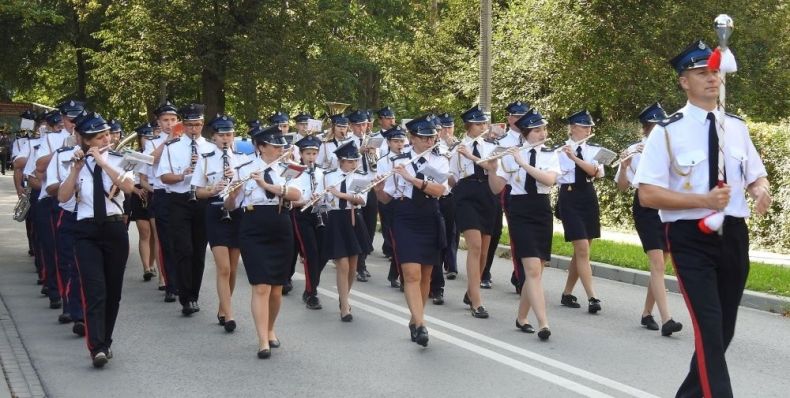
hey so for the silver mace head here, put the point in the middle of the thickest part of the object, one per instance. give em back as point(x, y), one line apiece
point(724, 26)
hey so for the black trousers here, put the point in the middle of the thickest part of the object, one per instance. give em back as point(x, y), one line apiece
point(449, 261)
point(308, 237)
point(188, 236)
point(370, 214)
point(66, 225)
point(30, 224)
point(712, 272)
point(385, 212)
point(101, 251)
point(47, 251)
point(496, 233)
point(167, 264)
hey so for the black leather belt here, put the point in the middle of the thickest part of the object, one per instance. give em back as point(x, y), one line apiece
point(113, 218)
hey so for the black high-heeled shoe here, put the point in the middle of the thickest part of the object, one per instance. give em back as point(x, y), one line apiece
point(274, 343)
point(348, 317)
point(422, 336)
point(413, 332)
point(544, 333)
point(230, 326)
point(264, 353)
point(221, 319)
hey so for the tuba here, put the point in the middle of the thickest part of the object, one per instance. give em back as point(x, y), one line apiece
point(22, 205)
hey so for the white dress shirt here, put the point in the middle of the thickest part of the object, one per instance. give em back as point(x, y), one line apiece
point(546, 159)
point(252, 194)
point(209, 170)
point(113, 206)
point(568, 166)
point(30, 164)
point(150, 147)
point(326, 158)
point(686, 168)
point(461, 167)
point(630, 172)
point(334, 178)
point(57, 171)
point(21, 147)
point(396, 186)
point(177, 157)
point(304, 183)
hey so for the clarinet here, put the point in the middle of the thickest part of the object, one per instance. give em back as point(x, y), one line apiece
point(225, 164)
point(192, 193)
point(313, 185)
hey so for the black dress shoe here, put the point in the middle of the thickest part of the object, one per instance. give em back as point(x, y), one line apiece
point(39, 282)
point(485, 284)
point(413, 332)
point(264, 353)
point(230, 326)
point(313, 303)
point(394, 283)
point(593, 305)
point(287, 287)
point(544, 333)
point(44, 290)
point(162, 288)
point(480, 312)
point(452, 275)
point(195, 306)
point(170, 298)
point(421, 336)
point(569, 300)
point(347, 318)
point(670, 327)
point(361, 277)
point(274, 343)
point(518, 289)
point(99, 360)
point(187, 309)
point(147, 275)
point(221, 320)
point(55, 304)
point(467, 301)
point(64, 318)
point(526, 328)
point(438, 298)
point(78, 328)
point(649, 322)
point(367, 274)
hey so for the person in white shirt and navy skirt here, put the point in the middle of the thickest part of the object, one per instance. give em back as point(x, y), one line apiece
point(266, 236)
point(101, 242)
point(531, 172)
point(697, 167)
point(213, 171)
point(346, 236)
point(578, 206)
point(649, 227)
point(417, 230)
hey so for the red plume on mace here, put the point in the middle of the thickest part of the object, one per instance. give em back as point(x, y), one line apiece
point(714, 62)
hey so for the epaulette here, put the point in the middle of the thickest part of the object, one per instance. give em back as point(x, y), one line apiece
point(65, 148)
point(547, 149)
point(491, 140)
point(556, 147)
point(114, 153)
point(671, 119)
point(36, 146)
point(405, 155)
point(330, 171)
point(173, 140)
point(243, 164)
point(208, 154)
point(360, 172)
point(592, 144)
point(238, 153)
point(735, 116)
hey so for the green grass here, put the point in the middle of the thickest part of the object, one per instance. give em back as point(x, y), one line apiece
point(763, 277)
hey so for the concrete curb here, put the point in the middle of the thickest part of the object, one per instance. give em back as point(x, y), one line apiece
point(18, 377)
point(751, 299)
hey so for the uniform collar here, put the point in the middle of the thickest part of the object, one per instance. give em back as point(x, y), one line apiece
point(698, 113)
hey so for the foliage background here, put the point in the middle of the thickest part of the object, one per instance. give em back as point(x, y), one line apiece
point(250, 58)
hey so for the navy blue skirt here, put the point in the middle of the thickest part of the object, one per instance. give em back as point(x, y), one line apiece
point(417, 231)
point(139, 209)
point(476, 206)
point(530, 226)
point(222, 232)
point(649, 226)
point(341, 239)
point(579, 211)
point(266, 240)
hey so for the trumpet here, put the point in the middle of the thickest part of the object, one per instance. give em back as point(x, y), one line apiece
point(318, 197)
point(627, 156)
point(230, 188)
point(581, 141)
point(511, 151)
point(391, 172)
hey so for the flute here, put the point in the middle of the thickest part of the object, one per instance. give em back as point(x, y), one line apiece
point(623, 159)
point(318, 197)
point(581, 141)
point(511, 151)
point(238, 184)
point(76, 159)
point(391, 172)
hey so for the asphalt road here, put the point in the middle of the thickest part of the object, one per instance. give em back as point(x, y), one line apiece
point(159, 353)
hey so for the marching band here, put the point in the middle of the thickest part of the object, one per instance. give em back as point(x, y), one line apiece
point(320, 197)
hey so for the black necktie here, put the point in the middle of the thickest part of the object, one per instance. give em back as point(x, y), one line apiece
point(581, 175)
point(99, 207)
point(268, 179)
point(478, 170)
point(713, 153)
point(417, 174)
point(531, 185)
point(343, 189)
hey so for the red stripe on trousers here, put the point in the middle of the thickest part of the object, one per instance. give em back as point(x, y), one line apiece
point(84, 304)
point(700, 351)
point(308, 282)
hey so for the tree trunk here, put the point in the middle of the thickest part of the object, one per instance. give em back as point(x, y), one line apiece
point(213, 90)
